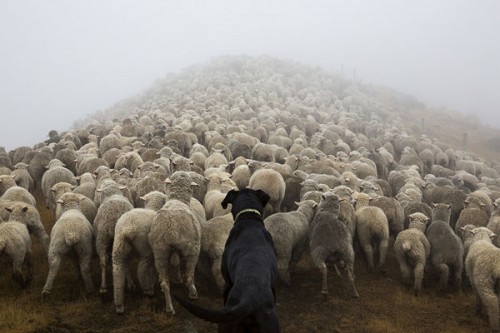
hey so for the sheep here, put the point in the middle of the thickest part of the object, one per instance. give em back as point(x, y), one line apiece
point(113, 205)
point(217, 187)
point(87, 206)
point(289, 231)
point(55, 192)
point(350, 180)
point(154, 200)
point(131, 234)
point(482, 266)
point(29, 216)
point(393, 211)
point(412, 250)
point(469, 215)
point(214, 234)
point(330, 239)
point(15, 244)
point(371, 227)
point(72, 231)
point(6, 182)
point(56, 173)
point(494, 222)
point(446, 247)
point(241, 176)
point(23, 177)
point(175, 229)
point(17, 193)
point(273, 184)
point(86, 186)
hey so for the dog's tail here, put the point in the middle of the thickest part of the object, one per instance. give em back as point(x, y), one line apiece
point(225, 315)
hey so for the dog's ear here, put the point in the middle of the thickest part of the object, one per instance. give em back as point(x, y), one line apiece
point(264, 198)
point(229, 199)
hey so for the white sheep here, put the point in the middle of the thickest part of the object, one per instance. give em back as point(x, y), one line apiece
point(289, 231)
point(412, 250)
point(131, 235)
point(371, 226)
point(482, 266)
point(176, 229)
point(273, 184)
point(113, 205)
point(15, 244)
point(71, 232)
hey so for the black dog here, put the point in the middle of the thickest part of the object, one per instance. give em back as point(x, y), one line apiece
point(249, 270)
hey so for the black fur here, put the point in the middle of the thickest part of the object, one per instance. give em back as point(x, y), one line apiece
point(249, 270)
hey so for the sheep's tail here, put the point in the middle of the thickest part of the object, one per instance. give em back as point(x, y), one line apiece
point(406, 246)
point(224, 315)
point(71, 238)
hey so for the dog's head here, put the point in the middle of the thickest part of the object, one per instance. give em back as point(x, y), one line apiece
point(245, 199)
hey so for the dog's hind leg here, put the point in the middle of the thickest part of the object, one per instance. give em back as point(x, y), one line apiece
point(268, 321)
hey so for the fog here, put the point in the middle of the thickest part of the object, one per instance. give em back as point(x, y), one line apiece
point(61, 60)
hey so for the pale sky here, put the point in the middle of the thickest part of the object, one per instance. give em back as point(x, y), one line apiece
point(63, 59)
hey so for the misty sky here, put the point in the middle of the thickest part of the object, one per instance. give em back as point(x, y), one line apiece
point(63, 59)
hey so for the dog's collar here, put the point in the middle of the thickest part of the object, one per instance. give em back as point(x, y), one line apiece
point(248, 210)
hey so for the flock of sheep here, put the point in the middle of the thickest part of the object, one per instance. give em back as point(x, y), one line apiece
point(343, 172)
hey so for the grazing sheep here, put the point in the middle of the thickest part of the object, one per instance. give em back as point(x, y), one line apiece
point(289, 231)
point(412, 250)
point(131, 235)
point(330, 240)
point(272, 183)
point(15, 244)
point(447, 251)
point(113, 205)
point(372, 229)
point(176, 230)
point(482, 266)
point(72, 231)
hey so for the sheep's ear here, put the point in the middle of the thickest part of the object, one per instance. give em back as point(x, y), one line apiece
point(495, 204)
point(99, 190)
point(122, 187)
point(194, 184)
point(229, 199)
point(434, 205)
point(462, 228)
point(482, 204)
point(53, 189)
point(25, 209)
point(323, 197)
point(315, 205)
point(60, 201)
point(448, 206)
point(9, 209)
point(493, 236)
point(296, 203)
point(167, 181)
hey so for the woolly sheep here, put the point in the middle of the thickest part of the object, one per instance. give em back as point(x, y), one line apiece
point(482, 266)
point(446, 247)
point(23, 177)
point(217, 187)
point(393, 211)
point(56, 173)
point(214, 234)
point(175, 229)
point(412, 250)
point(289, 231)
point(371, 226)
point(86, 186)
point(273, 184)
point(131, 234)
point(15, 244)
point(330, 239)
point(113, 205)
point(494, 222)
point(72, 231)
point(29, 216)
point(17, 193)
